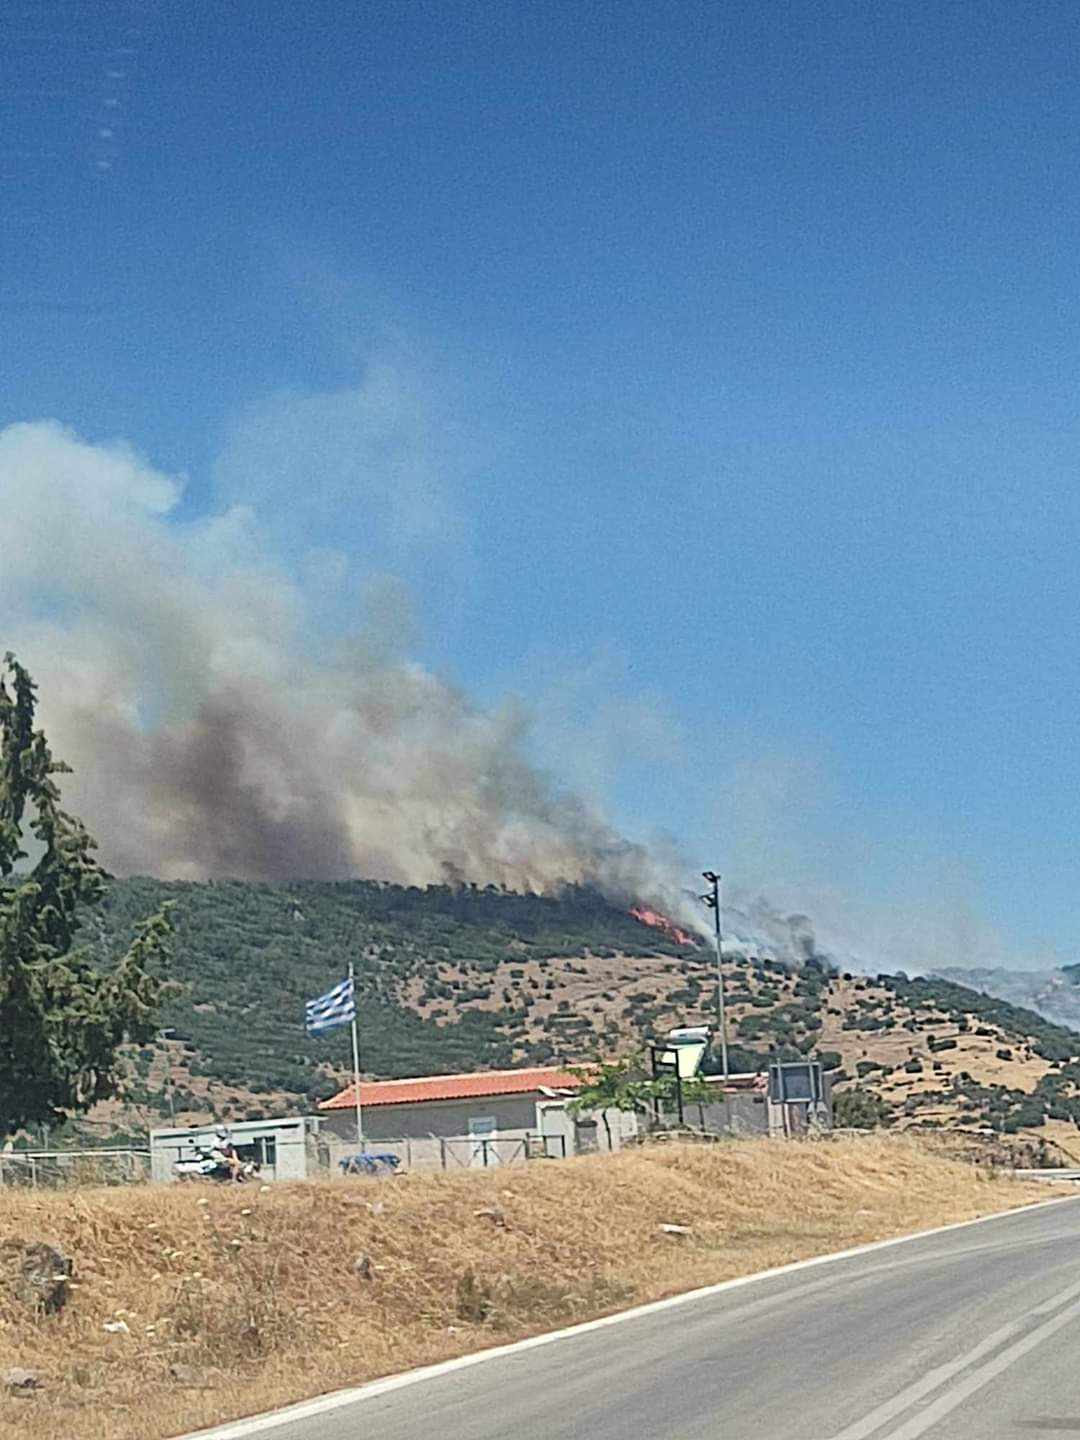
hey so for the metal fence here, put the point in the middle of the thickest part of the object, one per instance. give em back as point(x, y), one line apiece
point(437, 1152)
point(57, 1168)
point(130, 1166)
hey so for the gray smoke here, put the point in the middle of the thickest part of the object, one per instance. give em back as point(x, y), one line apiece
point(753, 925)
point(211, 736)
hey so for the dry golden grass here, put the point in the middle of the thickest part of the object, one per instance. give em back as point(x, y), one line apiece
point(257, 1296)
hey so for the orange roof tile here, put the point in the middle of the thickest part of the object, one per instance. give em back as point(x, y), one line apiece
point(454, 1087)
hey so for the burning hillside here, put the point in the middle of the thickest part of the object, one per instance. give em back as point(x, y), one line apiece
point(215, 730)
point(656, 921)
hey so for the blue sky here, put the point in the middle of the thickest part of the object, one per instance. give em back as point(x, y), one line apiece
point(707, 373)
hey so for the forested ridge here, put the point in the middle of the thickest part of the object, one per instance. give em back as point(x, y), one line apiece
point(462, 978)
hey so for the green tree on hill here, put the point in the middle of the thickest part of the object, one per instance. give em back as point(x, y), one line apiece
point(62, 1019)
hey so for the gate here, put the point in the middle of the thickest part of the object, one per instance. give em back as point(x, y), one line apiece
point(488, 1151)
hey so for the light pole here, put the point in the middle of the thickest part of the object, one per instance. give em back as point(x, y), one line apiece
point(712, 900)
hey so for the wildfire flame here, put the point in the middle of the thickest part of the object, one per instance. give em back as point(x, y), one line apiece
point(661, 922)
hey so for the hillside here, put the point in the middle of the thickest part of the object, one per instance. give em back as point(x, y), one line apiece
point(1054, 994)
point(448, 979)
point(941, 1056)
point(472, 978)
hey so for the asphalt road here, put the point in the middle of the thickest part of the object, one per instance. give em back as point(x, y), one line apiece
point(969, 1335)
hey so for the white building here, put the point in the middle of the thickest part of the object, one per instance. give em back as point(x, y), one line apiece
point(488, 1117)
point(284, 1149)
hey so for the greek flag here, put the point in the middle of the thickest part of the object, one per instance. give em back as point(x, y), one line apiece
point(336, 1007)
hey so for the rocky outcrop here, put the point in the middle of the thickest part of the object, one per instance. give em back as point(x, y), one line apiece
point(35, 1275)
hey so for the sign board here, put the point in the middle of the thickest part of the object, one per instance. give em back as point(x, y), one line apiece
point(685, 1060)
point(684, 1050)
point(796, 1082)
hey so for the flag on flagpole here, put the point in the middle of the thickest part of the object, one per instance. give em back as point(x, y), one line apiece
point(336, 1007)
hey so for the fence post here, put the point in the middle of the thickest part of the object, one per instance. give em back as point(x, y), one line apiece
point(442, 1151)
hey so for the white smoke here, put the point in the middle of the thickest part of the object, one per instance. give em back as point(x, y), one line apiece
point(210, 737)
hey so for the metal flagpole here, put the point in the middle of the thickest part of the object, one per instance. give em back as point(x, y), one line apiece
point(356, 1064)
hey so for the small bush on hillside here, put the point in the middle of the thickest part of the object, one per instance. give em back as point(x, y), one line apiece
point(860, 1109)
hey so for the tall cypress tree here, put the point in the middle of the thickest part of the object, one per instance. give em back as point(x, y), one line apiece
point(63, 1018)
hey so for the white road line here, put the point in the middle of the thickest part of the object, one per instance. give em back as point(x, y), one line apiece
point(938, 1409)
point(936, 1378)
point(339, 1399)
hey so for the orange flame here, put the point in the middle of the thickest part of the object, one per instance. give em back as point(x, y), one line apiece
point(661, 922)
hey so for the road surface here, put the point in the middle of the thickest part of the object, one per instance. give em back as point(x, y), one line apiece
point(972, 1334)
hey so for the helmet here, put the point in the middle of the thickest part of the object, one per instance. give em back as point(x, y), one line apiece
point(221, 1133)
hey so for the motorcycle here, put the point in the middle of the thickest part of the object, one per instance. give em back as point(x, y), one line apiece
point(208, 1165)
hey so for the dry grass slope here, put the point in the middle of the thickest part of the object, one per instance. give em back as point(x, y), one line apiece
point(236, 1301)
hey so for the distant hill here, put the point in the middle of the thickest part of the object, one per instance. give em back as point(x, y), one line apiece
point(1055, 994)
point(946, 1057)
point(473, 978)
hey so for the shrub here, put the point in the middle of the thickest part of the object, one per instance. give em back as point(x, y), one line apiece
point(860, 1109)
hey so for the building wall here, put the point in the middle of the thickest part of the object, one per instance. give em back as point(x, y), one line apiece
point(433, 1133)
point(742, 1114)
point(587, 1132)
point(514, 1115)
point(755, 1114)
point(291, 1150)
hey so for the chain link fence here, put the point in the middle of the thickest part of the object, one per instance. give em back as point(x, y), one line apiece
point(55, 1169)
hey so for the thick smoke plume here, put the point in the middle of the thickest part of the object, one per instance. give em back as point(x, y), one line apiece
point(211, 736)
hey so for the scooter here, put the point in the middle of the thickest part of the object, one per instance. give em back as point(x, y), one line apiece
point(207, 1165)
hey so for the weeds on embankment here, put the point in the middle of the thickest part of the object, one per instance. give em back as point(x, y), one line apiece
point(192, 1306)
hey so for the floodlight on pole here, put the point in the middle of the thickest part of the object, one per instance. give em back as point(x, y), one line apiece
point(712, 899)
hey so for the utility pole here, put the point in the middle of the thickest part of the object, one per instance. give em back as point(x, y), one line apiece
point(713, 900)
